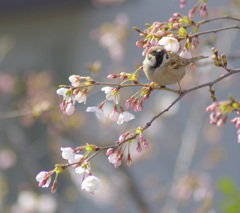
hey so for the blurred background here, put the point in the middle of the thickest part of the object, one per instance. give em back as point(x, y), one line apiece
point(189, 166)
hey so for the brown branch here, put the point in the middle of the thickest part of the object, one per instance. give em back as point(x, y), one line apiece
point(218, 18)
point(148, 124)
point(214, 31)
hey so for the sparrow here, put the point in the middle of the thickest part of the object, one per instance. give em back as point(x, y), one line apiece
point(164, 68)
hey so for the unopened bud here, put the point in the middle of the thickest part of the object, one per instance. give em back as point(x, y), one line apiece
point(214, 98)
point(224, 59)
point(215, 52)
point(214, 57)
point(218, 63)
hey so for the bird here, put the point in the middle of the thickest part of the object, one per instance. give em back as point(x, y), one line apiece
point(164, 67)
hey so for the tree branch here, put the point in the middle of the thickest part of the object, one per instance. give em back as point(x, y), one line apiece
point(214, 31)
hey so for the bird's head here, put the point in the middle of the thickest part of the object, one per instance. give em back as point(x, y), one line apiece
point(157, 56)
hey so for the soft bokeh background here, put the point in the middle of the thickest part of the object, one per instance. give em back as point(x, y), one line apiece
point(41, 44)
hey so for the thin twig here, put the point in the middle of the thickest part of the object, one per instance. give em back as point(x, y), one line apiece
point(214, 31)
point(218, 18)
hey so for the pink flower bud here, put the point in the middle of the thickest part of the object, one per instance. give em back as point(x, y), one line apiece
point(171, 20)
point(128, 103)
point(121, 138)
point(154, 42)
point(176, 25)
point(133, 104)
point(139, 107)
point(139, 148)
point(191, 12)
point(110, 151)
point(54, 187)
point(70, 109)
point(177, 15)
point(112, 76)
point(140, 43)
point(222, 121)
point(146, 96)
point(129, 160)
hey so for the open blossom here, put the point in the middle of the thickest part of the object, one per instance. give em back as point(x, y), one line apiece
point(111, 95)
point(91, 184)
point(125, 117)
point(70, 109)
point(84, 168)
point(116, 159)
point(169, 43)
point(68, 153)
point(99, 112)
point(43, 179)
point(113, 157)
point(81, 97)
point(62, 91)
point(67, 106)
point(114, 115)
point(75, 80)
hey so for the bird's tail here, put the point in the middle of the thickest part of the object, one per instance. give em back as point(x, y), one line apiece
point(191, 60)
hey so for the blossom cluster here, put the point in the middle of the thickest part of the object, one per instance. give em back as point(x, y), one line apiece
point(77, 94)
point(115, 156)
point(90, 183)
point(220, 112)
point(176, 27)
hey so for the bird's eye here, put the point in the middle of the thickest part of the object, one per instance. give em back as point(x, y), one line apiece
point(154, 52)
point(167, 56)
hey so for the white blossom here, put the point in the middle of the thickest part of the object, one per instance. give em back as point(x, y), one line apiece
point(113, 157)
point(75, 159)
point(81, 97)
point(74, 79)
point(68, 153)
point(169, 43)
point(125, 117)
point(91, 184)
point(62, 91)
point(108, 90)
point(114, 115)
point(99, 112)
point(70, 109)
point(41, 176)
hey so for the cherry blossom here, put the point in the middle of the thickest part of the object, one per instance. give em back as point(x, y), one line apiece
point(84, 168)
point(113, 157)
point(43, 179)
point(75, 80)
point(81, 97)
point(111, 94)
point(68, 153)
point(99, 112)
point(67, 106)
point(114, 114)
point(125, 117)
point(170, 43)
point(91, 184)
point(69, 109)
point(110, 151)
point(62, 91)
